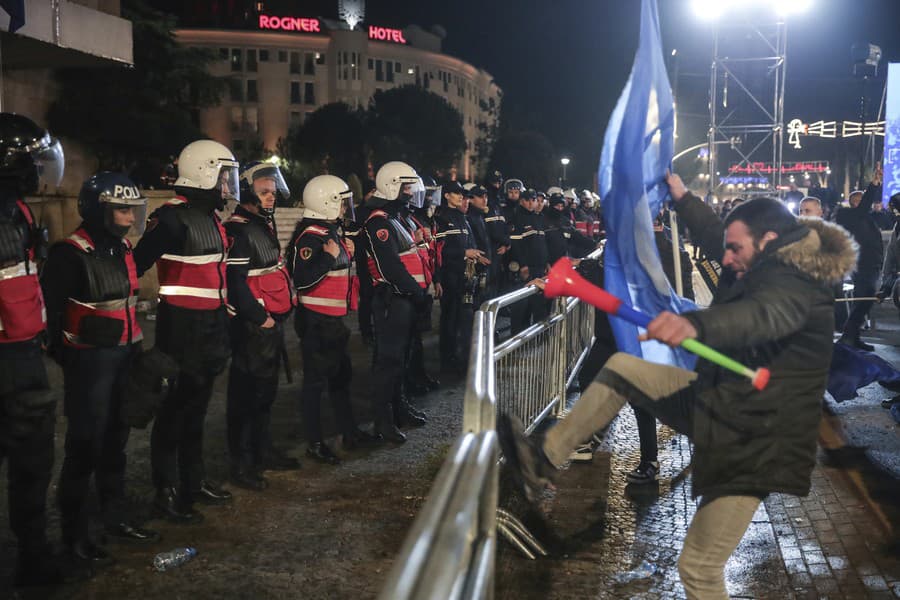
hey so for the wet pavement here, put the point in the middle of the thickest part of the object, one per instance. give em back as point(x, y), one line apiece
point(333, 532)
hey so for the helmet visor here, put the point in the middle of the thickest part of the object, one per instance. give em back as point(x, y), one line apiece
point(349, 211)
point(260, 179)
point(49, 161)
point(228, 184)
point(416, 189)
point(118, 217)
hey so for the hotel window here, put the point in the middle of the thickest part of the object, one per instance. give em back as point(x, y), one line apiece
point(252, 94)
point(320, 58)
point(251, 60)
point(309, 66)
point(396, 67)
point(237, 118)
point(371, 64)
point(251, 118)
point(263, 56)
point(295, 63)
point(355, 57)
point(309, 92)
point(390, 73)
point(379, 71)
point(282, 56)
point(236, 59)
point(236, 90)
point(295, 93)
point(296, 118)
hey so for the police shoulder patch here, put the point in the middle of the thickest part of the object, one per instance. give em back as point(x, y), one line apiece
point(305, 253)
point(382, 234)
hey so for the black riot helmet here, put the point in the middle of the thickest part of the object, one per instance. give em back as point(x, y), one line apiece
point(253, 178)
point(107, 192)
point(30, 159)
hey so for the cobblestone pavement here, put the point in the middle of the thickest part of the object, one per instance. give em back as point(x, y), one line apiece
point(598, 529)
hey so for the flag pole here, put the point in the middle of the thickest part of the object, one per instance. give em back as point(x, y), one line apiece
point(676, 252)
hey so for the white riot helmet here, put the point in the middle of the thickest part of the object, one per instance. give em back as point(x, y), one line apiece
point(554, 190)
point(571, 196)
point(323, 197)
point(208, 165)
point(391, 180)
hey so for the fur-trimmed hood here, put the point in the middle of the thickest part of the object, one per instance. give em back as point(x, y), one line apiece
point(826, 252)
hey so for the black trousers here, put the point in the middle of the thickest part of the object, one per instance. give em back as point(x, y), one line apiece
point(528, 311)
point(176, 442)
point(326, 363)
point(29, 461)
point(252, 389)
point(393, 316)
point(456, 321)
point(364, 311)
point(864, 286)
point(96, 437)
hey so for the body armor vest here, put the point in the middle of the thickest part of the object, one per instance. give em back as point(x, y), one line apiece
point(22, 311)
point(109, 302)
point(195, 279)
point(407, 251)
point(338, 291)
point(268, 277)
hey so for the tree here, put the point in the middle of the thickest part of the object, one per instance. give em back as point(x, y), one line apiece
point(416, 126)
point(526, 155)
point(127, 116)
point(332, 140)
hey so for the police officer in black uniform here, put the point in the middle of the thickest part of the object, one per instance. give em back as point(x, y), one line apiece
point(187, 242)
point(400, 289)
point(529, 260)
point(260, 297)
point(458, 260)
point(562, 238)
point(29, 160)
point(90, 285)
point(477, 215)
point(366, 289)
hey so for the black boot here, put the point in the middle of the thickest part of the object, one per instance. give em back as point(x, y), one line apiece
point(406, 416)
point(854, 341)
point(132, 534)
point(320, 452)
point(357, 438)
point(386, 427)
point(248, 478)
point(211, 494)
point(169, 503)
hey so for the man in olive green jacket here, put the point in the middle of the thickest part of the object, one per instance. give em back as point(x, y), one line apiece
point(773, 308)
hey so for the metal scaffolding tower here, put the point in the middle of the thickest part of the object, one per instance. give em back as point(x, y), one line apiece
point(746, 99)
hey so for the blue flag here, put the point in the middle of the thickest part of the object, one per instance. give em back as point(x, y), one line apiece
point(637, 150)
point(16, 11)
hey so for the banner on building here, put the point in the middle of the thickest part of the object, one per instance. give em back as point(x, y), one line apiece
point(892, 134)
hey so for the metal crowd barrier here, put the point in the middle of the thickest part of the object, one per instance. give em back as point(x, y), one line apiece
point(449, 552)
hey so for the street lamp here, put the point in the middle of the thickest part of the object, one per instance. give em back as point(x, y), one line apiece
point(565, 163)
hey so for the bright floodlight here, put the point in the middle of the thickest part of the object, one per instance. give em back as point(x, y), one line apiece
point(714, 9)
point(564, 161)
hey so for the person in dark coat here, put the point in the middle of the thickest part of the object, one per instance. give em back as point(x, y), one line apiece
point(858, 220)
point(776, 312)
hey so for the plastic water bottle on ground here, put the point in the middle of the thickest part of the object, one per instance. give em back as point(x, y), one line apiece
point(642, 571)
point(174, 558)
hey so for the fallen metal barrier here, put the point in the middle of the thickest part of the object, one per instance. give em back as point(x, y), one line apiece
point(450, 550)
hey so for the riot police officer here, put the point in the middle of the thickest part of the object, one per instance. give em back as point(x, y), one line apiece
point(513, 189)
point(498, 232)
point(400, 283)
point(29, 160)
point(477, 217)
point(322, 255)
point(188, 244)
point(528, 260)
point(260, 298)
point(91, 287)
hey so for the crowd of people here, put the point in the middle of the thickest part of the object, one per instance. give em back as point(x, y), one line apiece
point(226, 293)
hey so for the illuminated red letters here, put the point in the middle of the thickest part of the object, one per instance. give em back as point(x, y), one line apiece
point(385, 34)
point(289, 24)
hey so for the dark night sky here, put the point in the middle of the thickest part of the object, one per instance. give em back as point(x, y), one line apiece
point(562, 64)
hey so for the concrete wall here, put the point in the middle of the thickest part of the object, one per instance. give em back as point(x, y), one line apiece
point(60, 215)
